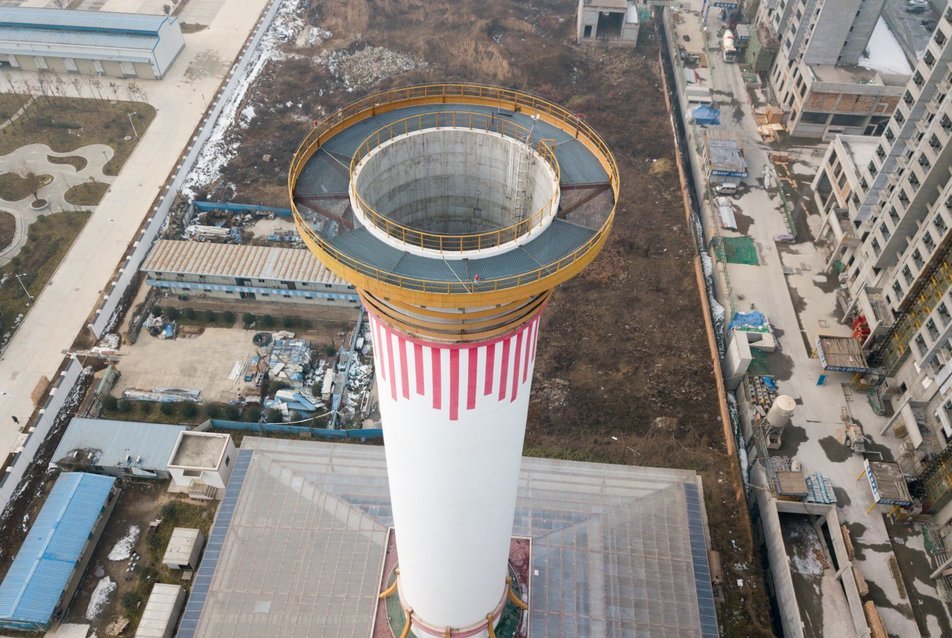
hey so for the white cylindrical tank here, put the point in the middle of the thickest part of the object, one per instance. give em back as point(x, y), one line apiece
point(780, 412)
point(454, 417)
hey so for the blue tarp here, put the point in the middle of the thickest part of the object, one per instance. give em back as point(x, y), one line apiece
point(751, 319)
point(706, 115)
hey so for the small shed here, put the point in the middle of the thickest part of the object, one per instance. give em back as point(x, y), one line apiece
point(161, 611)
point(184, 548)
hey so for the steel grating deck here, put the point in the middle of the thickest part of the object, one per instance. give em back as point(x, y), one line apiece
point(327, 173)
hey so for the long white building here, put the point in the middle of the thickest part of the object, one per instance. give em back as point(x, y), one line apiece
point(126, 45)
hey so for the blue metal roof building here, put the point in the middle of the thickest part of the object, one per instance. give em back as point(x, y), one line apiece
point(46, 570)
point(96, 43)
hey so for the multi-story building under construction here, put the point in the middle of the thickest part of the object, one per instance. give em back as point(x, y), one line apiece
point(887, 206)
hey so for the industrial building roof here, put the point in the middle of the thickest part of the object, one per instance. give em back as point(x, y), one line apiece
point(108, 443)
point(233, 260)
point(100, 29)
point(72, 20)
point(42, 568)
point(617, 551)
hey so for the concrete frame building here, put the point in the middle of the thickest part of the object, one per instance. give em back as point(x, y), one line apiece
point(815, 76)
point(102, 43)
point(888, 230)
point(201, 463)
point(239, 272)
point(614, 22)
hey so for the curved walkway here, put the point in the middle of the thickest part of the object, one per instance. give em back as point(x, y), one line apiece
point(65, 176)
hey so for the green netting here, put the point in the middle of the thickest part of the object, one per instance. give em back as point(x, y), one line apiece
point(740, 250)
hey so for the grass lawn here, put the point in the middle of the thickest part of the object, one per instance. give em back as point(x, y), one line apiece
point(65, 124)
point(77, 162)
point(8, 226)
point(49, 239)
point(9, 104)
point(86, 194)
point(13, 188)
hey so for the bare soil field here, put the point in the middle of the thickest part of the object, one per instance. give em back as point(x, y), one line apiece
point(624, 373)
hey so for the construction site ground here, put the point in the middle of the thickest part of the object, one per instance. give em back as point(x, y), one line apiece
point(140, 503)
point(205, 358)
point(624, 371)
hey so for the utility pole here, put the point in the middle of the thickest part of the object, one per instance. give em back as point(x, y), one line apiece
point(20, 281)
point(133, 124)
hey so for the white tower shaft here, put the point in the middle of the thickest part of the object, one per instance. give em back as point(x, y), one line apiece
point(454, 416)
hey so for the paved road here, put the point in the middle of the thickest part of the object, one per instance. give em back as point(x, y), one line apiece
point(61, 310)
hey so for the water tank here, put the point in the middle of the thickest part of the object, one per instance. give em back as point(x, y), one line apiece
point(780, 412)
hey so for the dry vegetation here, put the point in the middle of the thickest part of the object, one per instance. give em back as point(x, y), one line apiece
point(624, 353)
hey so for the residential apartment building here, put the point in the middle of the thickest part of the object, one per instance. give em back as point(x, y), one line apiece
point(887, 204)
point(816, 75)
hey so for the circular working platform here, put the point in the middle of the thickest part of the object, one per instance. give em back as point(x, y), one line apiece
point(454, 209)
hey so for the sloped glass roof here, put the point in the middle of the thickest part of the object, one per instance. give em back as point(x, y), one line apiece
point(617, 551)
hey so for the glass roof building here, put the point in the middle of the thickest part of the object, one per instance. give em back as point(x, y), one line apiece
point(298, 546)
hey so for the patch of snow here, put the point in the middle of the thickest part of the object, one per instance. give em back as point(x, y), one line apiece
point(247, 114)
point(220, 149)
point(364, 68)
point(100, 597)
point(884, 53)
point(122, 550)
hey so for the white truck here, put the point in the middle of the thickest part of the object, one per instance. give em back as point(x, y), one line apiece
point(728, 47)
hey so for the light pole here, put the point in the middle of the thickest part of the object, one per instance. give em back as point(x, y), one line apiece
point(133, 124)
point(20, 281)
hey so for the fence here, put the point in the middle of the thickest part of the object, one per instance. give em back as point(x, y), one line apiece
point(281, 428)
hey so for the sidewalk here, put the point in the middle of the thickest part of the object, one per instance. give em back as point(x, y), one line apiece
point(789, 287)
point(61, 310)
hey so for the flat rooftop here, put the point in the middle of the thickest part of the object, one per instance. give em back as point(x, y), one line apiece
point(841, 354)
point(845, 74)
point(199, 449)
point(298, 546)
point(861, 148)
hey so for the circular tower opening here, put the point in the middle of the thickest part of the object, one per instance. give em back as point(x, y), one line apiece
point(455, 191)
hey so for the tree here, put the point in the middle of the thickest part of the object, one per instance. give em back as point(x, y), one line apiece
point(288, 323)
point(213, 410)
point(189, 410)
point(188, 313)
point(229, 317)
point(172, 313)
point(232, 412)
point(145, 407)
point(273, 416)
point(109, 402)
point(156, 311)
point(210, 316)
point(169, 409)
point(267, 321)
point(33, 183)
point(247, 318)
point(252, 414)
point(124, 406)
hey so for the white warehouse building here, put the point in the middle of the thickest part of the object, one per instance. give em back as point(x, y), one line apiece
point(98, 43)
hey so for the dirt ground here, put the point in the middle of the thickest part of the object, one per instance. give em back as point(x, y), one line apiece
point(140, 503)
point(624, 373)
point(206, 360)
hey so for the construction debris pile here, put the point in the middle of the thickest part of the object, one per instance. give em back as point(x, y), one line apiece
point(163, 395)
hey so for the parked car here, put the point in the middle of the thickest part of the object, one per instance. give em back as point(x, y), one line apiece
point(915, 8)
point(929, 24)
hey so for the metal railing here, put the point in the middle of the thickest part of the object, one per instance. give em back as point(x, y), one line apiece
point(371, 105)
point(453, 242)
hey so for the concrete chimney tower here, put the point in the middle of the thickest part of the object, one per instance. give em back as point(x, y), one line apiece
point(454, 210)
